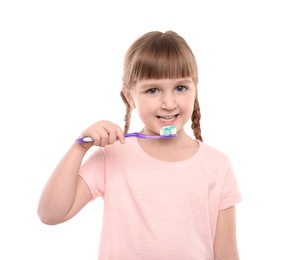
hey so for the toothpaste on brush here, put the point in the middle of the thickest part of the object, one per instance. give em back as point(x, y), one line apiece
point(168, 131)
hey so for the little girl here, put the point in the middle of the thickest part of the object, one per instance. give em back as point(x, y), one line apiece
point(164, 198)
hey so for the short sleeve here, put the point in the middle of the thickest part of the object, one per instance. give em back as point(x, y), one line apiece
point(93, 173)
point(231, 194)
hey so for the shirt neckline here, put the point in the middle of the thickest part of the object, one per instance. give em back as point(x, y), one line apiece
point(152, 159)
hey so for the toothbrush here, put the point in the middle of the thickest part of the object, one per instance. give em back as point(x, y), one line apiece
point(165, 132)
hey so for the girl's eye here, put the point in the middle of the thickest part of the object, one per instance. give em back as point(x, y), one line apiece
point(152, 91)
point(181, 88)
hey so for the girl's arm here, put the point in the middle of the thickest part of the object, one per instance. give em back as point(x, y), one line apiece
point(225, 245)
point(65, 192)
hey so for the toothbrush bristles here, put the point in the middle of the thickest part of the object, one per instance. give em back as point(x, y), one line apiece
point(168, 131)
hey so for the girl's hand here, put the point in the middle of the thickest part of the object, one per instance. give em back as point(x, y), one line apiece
point(103, 133)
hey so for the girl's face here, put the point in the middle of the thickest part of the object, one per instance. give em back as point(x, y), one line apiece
point(163, 102)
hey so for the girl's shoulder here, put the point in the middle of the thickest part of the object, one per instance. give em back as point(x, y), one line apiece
point(213, 154)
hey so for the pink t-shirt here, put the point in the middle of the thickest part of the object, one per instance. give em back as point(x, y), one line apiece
point(157, 210)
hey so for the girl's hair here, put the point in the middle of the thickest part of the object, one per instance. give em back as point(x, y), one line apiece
point(157, 55)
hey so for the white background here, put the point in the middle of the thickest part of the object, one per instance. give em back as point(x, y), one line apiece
point(60, 71)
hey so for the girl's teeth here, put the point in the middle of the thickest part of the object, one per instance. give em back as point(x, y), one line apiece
point(167, 118)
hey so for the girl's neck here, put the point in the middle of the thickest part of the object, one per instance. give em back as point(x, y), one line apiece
point(171, 150)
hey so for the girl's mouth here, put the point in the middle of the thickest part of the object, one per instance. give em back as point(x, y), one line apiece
point(167, 118)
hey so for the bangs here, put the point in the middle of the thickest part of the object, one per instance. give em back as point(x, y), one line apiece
point(160, 58)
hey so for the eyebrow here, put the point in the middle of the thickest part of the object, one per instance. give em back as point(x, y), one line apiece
point(184, 81)
point(179, 82)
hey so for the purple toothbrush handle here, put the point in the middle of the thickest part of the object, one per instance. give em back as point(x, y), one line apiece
point(139, 135)
point(85, 139)
point(88, 139)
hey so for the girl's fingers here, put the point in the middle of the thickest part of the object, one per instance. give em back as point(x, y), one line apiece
point(105, 133)
point(115, 133)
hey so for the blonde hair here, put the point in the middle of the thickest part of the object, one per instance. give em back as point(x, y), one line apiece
point(157, 55)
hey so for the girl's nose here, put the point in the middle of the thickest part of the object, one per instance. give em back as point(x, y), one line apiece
point(169, 102)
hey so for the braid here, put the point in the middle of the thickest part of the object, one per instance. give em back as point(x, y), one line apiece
point(128, 111)
point(196, 117)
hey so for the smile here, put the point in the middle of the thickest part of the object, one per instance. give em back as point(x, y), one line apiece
point(167, 118)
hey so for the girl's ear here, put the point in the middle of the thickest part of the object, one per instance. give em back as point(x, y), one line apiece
point(128, 96)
